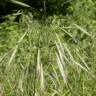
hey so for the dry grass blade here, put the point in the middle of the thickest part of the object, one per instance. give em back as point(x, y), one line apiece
point(84, 31)
point(42, 86)
point(93, 76)
point(51, 78)
point(68, 51)
point(72, 58)
point(69, 27)
point(20, 86)
point(60, 53)
point(22, 37)
point(21, 82)
point(55, 92)
point(60, 49)
point(75, 62)
point(1, 91)
point(86, 68)
point(70, 35)
point(56, 75)
point(12, 57)
point(79, 65)
point(15, 50)
point(38, 63)
point(60, 44)
point(4, 55)
point(67, 32)
point(19, 3)
point(83, 61)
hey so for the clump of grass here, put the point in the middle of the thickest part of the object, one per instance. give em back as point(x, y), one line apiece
point(43, 61)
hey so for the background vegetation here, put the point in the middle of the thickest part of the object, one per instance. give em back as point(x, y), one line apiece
point(47, 48)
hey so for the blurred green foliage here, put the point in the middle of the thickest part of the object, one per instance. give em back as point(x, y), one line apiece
point(68, 29)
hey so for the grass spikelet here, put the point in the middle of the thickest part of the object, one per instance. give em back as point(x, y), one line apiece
point(60, 65)
point(59, 58)
point(40, 73)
